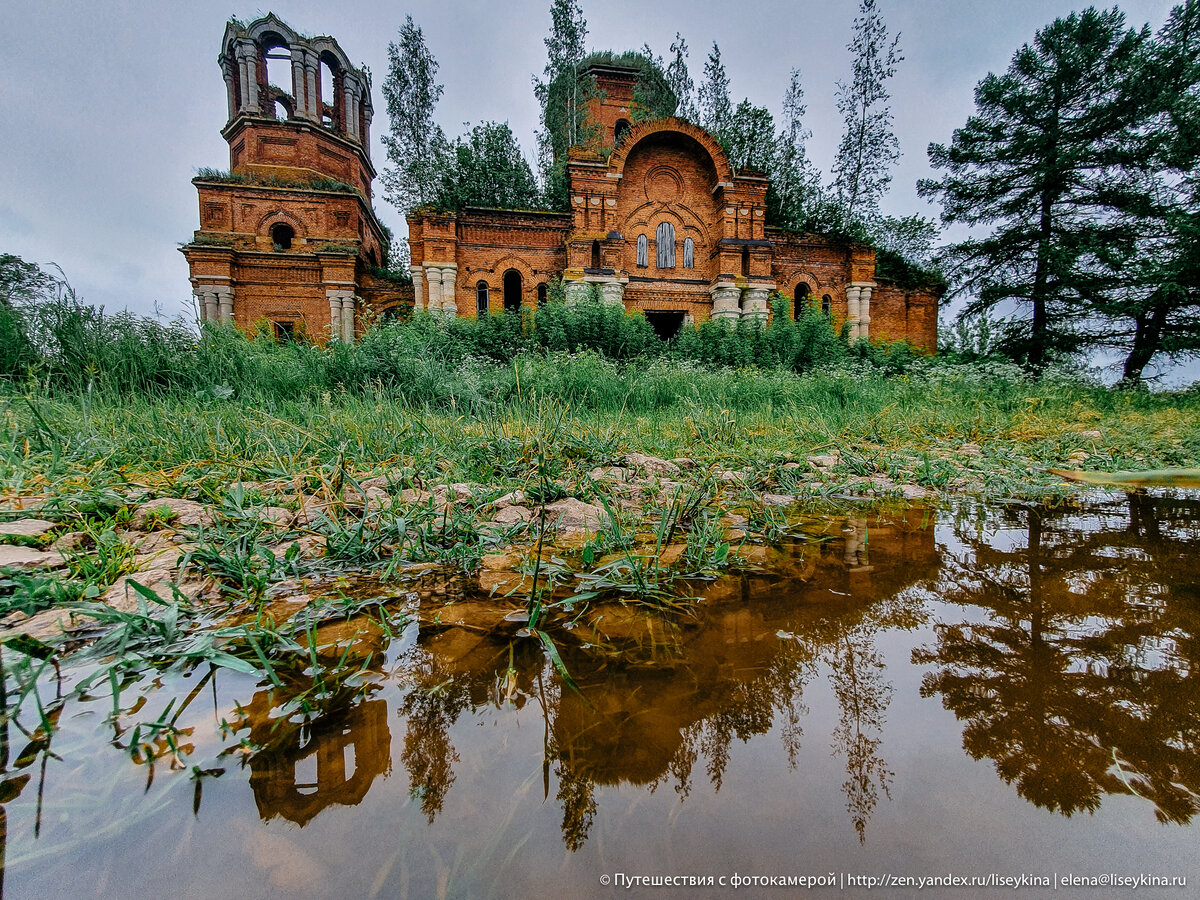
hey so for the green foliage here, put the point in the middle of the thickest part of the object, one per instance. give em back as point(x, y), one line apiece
point(486, 168)
point(1040, 163)
point(416, 146)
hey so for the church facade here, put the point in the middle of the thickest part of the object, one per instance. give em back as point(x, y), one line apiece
point(659, 221)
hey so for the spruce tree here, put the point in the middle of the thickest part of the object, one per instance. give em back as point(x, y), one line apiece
point(715, 106)
point(869, 148)
point(680, 81)
point(416, 146)
point(1154, 307)
point(1037, 163)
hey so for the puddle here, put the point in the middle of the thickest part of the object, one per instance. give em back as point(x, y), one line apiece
point(1006, 689)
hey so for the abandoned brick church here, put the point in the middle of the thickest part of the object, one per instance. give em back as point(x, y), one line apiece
point(659, 221)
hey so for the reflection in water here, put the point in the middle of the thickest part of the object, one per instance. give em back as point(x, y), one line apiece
point(1063, 640)
point(1078, 679)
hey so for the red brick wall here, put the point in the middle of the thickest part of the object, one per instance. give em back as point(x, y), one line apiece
point(899, 314)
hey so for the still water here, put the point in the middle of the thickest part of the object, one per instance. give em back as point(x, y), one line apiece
point(976, 690)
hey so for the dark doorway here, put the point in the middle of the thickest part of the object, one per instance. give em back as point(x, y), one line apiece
point(512, 291)
point(665, 324)
point(595, 254)
point(801, 300)
point(282, 236)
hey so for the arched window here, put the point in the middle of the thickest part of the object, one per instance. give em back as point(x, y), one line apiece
point(281, 111)
point(801, 300)
point(541, 289)
point(689, 253)
point(278, 61)
point(481, 299)
point(595, 254)
point(827, 305)
point(282, 236)
point(746, 262)
point(643, 253)
point(664, 241)
point(327, 92)
point(619, 130)
point(512, 291)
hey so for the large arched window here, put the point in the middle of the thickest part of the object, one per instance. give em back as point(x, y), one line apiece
point(664, 241)
point(481, 299)
point(541, 294)
point(643, 252)
point(689, 253)
point(827, 305)
point(801, 300)
point(619, 130)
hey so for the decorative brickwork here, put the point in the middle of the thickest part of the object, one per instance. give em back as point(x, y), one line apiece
point(659, 220)
point(289, 236)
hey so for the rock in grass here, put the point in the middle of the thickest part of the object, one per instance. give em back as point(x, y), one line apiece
point(45, 625)
point(969, 450)
point(173, 512)
point(28, 528)
point(28, 559)
point(651, 464)
point(823, 461)
point(778, 499)
point(914, 492)
point(72, 540)
point(512, 498)
point(513, 515)
point(686, 463)
point(574, 513)
point(276, 516)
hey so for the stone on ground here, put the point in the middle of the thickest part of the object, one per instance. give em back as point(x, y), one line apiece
point(29, 528)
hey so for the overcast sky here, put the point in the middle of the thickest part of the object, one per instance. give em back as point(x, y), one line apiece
point(111, 106)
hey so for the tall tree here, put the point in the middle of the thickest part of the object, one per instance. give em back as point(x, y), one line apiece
point(680, 81)
point(749, 138)
point(560, 96)
point(1154, 307)
point(795, 182)
point(488, 169)
point(1036, 164)
point(416, 145)
point(869, 148)
point(715, 106)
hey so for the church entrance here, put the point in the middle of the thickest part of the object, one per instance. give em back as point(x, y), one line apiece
point(512, 291)
point(665, 324)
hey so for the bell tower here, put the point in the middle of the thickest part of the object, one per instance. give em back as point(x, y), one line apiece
point(287, 232)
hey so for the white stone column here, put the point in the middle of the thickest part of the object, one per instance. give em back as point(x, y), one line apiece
point(864, 310)
point(348, 317)
point(224, 296)
point(311, 64)
point(754, 303)
point(449, 300)
point(852, 292)
point(418, 285)
point(230, 90)
point(725, 300)
point(335, 313)
point(348, 107)
point(576, 291)
point(612, 293)
point(433, 279)
point(212, 311)
point(249, 55)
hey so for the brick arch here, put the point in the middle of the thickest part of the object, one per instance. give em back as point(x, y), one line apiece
point(788, 285)
point(651, 210)
point(671, 125)
point(270, 26)
point(274, 217)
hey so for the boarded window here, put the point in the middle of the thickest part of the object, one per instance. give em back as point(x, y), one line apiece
point(643, 252)
point(664, 239)
point(689, 253)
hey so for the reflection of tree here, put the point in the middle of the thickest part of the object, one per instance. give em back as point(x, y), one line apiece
point(1088, 647)
point(428, 754)
point(856, 673)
